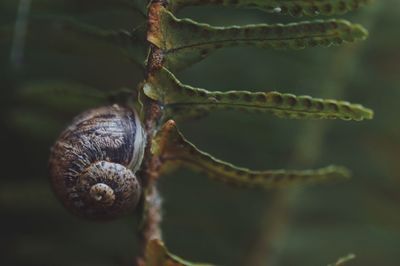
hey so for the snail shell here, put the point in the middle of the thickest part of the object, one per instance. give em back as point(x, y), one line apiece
point(94, 160)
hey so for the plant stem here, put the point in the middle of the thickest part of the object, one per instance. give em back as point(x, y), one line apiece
point(152, 209)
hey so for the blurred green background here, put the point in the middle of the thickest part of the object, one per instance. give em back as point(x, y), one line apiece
point(204, 220)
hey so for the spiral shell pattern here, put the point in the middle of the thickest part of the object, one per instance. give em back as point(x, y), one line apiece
point(93, 163)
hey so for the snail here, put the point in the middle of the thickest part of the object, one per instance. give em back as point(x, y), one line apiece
point(94, 161)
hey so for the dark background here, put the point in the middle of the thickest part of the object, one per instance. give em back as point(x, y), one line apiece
point(204, 220)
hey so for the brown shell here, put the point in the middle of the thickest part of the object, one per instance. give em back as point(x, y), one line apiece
point(92, 163)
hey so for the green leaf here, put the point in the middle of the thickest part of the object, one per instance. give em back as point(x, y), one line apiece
point(158, 255)
point(183, 101)
point(78, 7)
point(185, 41)
point(175, 149)
point(291, 7)
point(60, 94)
point(68, 35)
point(37, 124)
point(343, 260)
point(65, 96)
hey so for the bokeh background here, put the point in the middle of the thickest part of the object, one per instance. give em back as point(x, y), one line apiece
point(204, 220)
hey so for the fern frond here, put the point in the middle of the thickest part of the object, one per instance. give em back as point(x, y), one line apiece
point(173, 147)
point(158, 255)
point(66, 96)
point(178, 99)
point(72, 36)
point(185, 41)
point(292, 7)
